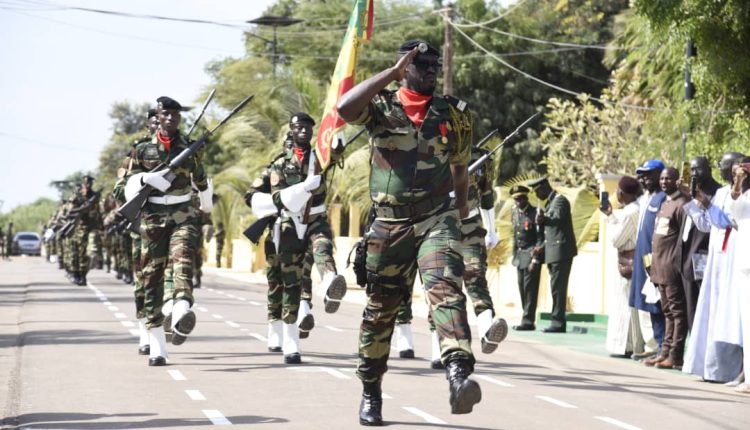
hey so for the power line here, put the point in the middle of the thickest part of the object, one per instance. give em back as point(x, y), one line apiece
point(550, 42)
point(49, 145)
point(567, 91)
point(495, 19)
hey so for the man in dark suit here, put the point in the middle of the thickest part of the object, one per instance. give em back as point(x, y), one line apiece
point(559, 247)
point(527, 237)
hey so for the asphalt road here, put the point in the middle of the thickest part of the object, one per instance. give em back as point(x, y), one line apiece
point(68, 360)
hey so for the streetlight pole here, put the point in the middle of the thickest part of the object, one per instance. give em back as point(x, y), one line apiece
point(275, 22)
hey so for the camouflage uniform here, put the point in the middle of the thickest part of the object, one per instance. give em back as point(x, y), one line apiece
point(167, 231)
point(220, 236)
point(86, 209)
point(415, 228)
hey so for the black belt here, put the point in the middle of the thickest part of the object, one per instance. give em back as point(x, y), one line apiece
point(413, 210)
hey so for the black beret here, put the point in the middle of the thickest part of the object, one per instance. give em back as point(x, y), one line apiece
point(88, 179)
point(410, 45)
point(301, 117)
point(518, 190)
point(537, 182)
point(151, 113)
point(165, 102)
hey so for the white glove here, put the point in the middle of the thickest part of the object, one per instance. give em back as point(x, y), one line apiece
point(156, 180)
point(491, 240)
point(206, 197)
point(295, 198)
point(262, 205)
point(488, 219)
point(311, 182)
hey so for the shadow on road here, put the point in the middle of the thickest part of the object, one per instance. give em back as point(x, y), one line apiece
point(74, 420)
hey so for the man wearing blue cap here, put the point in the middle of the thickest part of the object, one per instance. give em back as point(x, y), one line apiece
point(650, 203)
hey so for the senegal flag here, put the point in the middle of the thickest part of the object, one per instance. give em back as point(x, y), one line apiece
point(359, 30)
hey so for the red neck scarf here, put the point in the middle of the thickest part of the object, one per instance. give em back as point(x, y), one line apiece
point(165, 140)
point(300, 153)
point(415, 104)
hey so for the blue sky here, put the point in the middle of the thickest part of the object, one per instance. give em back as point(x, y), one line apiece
point(60, 72)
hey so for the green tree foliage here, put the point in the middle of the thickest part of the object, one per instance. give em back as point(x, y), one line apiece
point(29, 217)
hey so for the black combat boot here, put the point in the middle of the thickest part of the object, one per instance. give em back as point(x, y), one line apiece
point(127, 277)
point(465, 392)
point(82, 280)
point(197, 283)
point(370, 409)
point(108, 265)
point(119, 274)
point(75, 278)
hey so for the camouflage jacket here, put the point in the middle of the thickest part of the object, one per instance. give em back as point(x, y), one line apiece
point(481, 193)
point(149, 154)
point(287, 170)
point(410, 164)
point(86, 209)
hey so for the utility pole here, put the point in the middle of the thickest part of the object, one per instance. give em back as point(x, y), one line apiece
point(448, 14)
point(690, 52)
point(273, 21)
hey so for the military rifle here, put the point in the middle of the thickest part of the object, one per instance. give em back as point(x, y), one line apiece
point(75, 213)
point(486, 138)
point(132, 208)
point(200, 115)
point(474, 166)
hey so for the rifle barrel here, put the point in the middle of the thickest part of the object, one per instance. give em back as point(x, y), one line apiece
point(518, 129)
point(203, 110)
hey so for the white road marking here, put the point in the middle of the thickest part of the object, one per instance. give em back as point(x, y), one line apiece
point(333, 372)
point(254, 303)
point(201, 308)
point(385, 396)
point(556, 402)
point(120, 315)
point(232, 324)
point(177, 375)
point(242, 299)
point(127, 323)
point(113, 308)
point(494, 381)
point(216, 417)
point(210, 289)
point(231, 296)
point(259, 337)
point(618, 423)
point(104, 300)
point(195, 395)
point(221, 292)
point(244, 329)
point(107, 303)
point(424, 415)
point(336, 329)
point(135, 332)
point(217, 316)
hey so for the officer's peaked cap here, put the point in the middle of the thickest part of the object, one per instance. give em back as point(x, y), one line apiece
point(518, 191)
point(537, 182)
point(301, 117)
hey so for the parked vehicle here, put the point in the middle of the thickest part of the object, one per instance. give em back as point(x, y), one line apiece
point(27, 242)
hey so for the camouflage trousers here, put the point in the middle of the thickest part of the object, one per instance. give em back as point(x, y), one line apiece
point(200, 254)
point(292, 254)
point(79, 258)
point(395, 252)
point(475, 272)
point(124, 259)
point(138, 292)
point(107, 247)
point(275, 284)
point(168, 235)
point(94, 250)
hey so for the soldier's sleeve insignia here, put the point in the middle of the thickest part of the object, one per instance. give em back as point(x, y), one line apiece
point(457, 103)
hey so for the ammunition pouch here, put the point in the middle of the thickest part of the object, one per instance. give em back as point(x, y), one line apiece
point(359, 263)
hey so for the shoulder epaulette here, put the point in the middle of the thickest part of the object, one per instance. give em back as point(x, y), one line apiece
point(456, 103)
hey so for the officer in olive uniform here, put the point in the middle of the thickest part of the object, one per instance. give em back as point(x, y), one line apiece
point(527, 238)
point(291, 187)
point(559, 248)
point(168, 225)
point(420, 148)
point(220, 236)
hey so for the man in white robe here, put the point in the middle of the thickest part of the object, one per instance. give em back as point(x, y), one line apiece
point(706, 355)
point(741, 214)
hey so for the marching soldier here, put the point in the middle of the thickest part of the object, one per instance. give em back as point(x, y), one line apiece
point(9, 241)
point(86, 213)
point(527, 243)
point(290, 187)
point(168, 225)
point(420, 149)
point(2, 243)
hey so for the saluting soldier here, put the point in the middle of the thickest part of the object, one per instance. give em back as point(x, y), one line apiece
point(290, 188)
point(420, 149)
point(168, 225)
point(527, 242)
